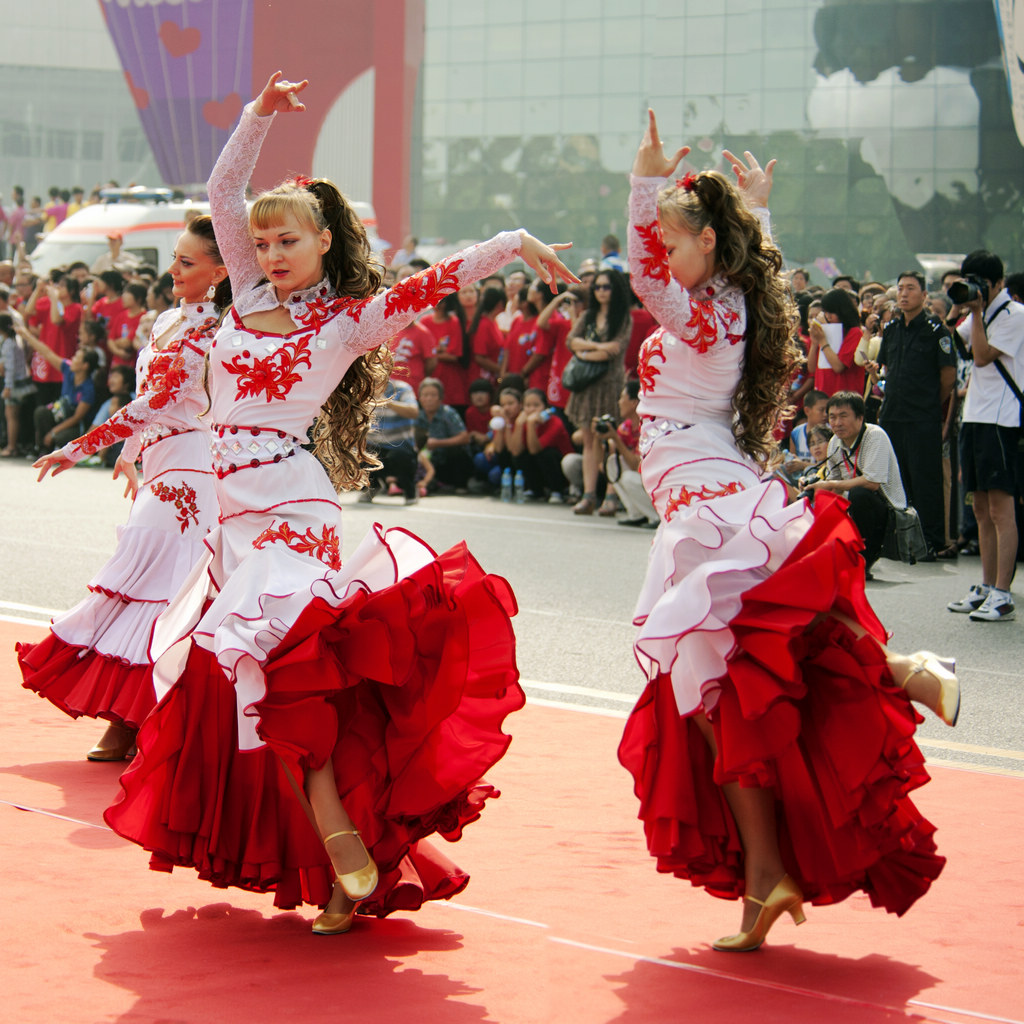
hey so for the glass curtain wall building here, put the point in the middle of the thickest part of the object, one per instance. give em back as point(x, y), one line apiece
point(890, 119)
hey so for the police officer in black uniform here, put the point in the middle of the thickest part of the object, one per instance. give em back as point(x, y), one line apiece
point(920, 372)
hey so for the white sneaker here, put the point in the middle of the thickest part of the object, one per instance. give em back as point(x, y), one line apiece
point(973, 601)
point(998, 607)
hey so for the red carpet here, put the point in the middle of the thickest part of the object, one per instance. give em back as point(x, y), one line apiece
point(565, 918)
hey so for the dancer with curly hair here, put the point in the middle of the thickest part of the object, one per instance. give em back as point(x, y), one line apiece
point(773, 747)
point(367, 696)
point(95, 661)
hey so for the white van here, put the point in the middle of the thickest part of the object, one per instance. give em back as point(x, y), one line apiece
point(149, 226)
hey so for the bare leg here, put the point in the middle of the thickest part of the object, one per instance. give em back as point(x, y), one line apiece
point(754, 812)
point(346, 852)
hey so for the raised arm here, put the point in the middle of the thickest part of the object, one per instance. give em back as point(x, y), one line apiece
point(230, 178)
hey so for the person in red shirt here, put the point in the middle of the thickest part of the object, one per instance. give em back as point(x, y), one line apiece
point(413, 350)
point(544, 441)
point(643, 325)
point(842, 373)
point(65, 315)
point(484, 336)
point(108, 307)
point(124, 348)
point(528, 346)
point(447, 325)
point(557, 318)
point(36, 312)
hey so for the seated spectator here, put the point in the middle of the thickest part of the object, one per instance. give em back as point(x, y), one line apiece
point(92, 334)
point(862, 467)
point(120, 391)
point(814, 413)
point(622, 460)
point(545, 441)
point(392, 439)
point(834, 368)
point(479, 413)
point(63, 420)
point(499, 452)
point(447, 436)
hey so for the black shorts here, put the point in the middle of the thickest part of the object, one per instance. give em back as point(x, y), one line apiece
point(989, 457)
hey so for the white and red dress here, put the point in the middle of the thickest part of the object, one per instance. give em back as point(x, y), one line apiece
point(95, 660)
point(733, 620)
point(397, 667)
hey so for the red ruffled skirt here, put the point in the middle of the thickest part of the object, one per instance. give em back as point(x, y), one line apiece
point(402, 689)
point(808, 710)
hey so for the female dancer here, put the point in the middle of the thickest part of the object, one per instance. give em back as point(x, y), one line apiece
point(370, 696)
point(772, 750)
point(95, 661)
point(601, 334)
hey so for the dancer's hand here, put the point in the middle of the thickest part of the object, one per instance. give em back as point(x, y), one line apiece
point(131, 477)
point(650, 161)
point(279, 95)
point(544, 259)
point(53, 464)
point(755, 184)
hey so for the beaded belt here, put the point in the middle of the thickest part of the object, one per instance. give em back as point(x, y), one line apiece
point(155, 432)
point(655, 427)
point(234, 448)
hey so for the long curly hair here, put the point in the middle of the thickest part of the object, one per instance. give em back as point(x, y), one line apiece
point(341, 429)
point(752, 263)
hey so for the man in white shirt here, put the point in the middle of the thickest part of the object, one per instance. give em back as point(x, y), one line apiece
point(861, 466)
point(994, 334)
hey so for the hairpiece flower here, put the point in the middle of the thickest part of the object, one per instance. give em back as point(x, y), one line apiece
point(301, 181)
point(689, 182)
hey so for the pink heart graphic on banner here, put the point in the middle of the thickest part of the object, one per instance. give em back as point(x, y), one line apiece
point(139, 95)
point(179, 41)
point(223, 113)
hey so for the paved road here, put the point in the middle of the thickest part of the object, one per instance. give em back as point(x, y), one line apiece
point(575, 580)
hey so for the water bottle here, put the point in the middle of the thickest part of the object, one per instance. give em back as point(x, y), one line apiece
point(520, 486)
point(506, 485)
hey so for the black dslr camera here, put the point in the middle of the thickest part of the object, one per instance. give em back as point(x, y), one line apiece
point(967, 290)
point(604, 425)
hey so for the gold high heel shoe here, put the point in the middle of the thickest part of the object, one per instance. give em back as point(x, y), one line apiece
point(784, 898)
point(359, 884)
point(333, 924)
point(942, 671)
point(116, 747)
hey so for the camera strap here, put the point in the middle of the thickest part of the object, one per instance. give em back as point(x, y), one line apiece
point(1003, 372)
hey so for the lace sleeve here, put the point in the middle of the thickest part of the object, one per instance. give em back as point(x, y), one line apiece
point(173, 374)
point(226, 189)
point(700, 324)
point(380, 318)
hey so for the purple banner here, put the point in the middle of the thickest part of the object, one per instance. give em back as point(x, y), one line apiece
point(188, 65)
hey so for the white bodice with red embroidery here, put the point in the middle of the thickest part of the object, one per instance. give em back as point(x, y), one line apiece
point(280, 381)
point(169, 384)
point(689, 368)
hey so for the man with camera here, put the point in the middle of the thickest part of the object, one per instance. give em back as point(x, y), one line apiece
point(993, 333)
point(920, 371)
point(862, 467)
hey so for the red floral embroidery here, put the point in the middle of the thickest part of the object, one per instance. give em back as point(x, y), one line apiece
point(423, 290)
point(324, 547)
point(701, 330)
point(184, 498)
point(685, 498)
point(652, 348)
point(276, 374)
point(107, 434)
point(655, 264)
point(320, 311)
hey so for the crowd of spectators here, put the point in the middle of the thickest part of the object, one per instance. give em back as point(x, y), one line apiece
point(478, 399)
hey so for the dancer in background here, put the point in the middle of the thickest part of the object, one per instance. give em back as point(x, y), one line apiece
point(368, 696)
point(95, 660)
point(773, 747)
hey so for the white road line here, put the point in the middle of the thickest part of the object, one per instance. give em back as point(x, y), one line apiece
point(54, 814)
point(15, 607)
point(584, 691)
point(490, 913)
point(17, 621)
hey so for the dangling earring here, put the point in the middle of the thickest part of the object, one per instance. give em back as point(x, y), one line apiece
point(211, 292)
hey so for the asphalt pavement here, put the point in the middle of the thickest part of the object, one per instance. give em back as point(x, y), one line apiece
point(575, 579)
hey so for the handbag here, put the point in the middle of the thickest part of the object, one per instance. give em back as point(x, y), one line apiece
point(579, 374)
point(904, 538)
